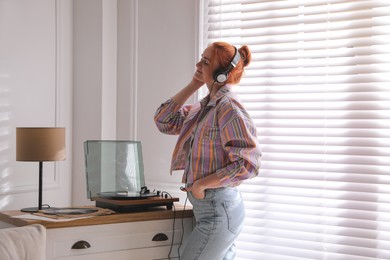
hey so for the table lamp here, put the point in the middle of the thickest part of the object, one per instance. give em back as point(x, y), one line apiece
point(40, 144)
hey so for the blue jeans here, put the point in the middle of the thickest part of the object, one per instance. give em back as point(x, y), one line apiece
point(219, 219)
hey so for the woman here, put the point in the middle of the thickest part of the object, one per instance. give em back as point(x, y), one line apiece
point(217, 148)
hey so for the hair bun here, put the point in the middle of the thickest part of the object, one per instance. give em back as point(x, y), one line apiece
point(246, 55)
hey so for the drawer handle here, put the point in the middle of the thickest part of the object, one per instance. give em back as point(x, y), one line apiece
point(81, 245)
point(160, 237)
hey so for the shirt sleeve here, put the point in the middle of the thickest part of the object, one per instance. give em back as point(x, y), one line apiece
point(239, 140)
point(170, 116)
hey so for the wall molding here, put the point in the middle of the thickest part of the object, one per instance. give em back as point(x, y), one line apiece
point(127, 70)
point(133, 120)
point(63, 86)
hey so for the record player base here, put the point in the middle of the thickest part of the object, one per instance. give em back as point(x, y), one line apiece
point(134, 205)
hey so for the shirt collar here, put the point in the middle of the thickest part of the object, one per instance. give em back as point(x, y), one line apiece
point(220, 93)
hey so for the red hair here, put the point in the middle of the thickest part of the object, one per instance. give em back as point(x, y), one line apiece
point(223, 54)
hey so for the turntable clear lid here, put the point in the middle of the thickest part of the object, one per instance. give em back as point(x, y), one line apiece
point(113, 166)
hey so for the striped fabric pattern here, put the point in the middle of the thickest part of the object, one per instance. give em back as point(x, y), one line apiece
point(214, 137)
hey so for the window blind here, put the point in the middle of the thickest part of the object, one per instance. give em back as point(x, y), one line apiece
point(318, 89)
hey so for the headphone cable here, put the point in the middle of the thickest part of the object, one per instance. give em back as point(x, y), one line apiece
point(182, 226)
point(173, 226)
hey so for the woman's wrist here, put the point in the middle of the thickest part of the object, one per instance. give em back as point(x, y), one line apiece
point(199, 185)
point(196, 84)
point(210, 182)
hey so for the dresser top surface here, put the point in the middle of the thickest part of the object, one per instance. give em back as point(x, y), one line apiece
point(153, 213)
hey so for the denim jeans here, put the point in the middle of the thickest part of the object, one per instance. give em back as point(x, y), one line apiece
point(219, 219)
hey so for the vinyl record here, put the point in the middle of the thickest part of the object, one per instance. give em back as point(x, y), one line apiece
point(68, 211)
point(125, 195)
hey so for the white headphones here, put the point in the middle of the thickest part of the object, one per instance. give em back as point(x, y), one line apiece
point(221, 75)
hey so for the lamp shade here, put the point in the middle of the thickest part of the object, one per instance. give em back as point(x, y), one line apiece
point(40, 144)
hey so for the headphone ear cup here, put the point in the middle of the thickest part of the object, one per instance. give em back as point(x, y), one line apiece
point(220, 76)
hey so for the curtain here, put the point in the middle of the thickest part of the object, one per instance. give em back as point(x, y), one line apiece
point(318, 90)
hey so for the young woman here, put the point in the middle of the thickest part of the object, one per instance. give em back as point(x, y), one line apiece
point(217, 148)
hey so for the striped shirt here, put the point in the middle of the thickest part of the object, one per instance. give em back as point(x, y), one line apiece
point(214, 137)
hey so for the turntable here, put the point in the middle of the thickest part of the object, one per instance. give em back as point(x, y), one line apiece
point(115, 177)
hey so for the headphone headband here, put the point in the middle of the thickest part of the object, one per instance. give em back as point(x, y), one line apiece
point(235, 59)
point(221, 75)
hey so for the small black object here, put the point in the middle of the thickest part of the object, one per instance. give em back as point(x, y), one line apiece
point(160, 237)
point(82, 244)
point(144, 190)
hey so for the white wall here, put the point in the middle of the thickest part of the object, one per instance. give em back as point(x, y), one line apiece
point(156, 56)
point(35, 89)
point(94, 82)
point(101, 78)
point(167, 50)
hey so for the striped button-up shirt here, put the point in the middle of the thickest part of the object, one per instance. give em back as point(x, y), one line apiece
point(216, 136)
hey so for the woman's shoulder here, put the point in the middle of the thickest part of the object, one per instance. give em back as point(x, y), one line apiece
point(230, 107)
point(229, 101)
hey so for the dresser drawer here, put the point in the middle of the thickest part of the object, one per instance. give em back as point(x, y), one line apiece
point(113, 238)
point(154, 253)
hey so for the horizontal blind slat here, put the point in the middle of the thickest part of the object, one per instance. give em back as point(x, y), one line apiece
point(291, 7)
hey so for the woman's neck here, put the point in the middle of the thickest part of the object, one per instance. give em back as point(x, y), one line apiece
point(213, 89)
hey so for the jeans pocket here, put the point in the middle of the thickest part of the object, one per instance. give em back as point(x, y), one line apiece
point(235, 213)
point(207, 197)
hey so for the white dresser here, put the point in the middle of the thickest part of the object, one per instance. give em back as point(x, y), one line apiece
point(153, 234)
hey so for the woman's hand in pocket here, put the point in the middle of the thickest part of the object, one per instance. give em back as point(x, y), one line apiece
point(197, 191)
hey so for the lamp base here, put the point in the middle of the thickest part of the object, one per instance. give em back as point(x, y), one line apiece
point(35, 209)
